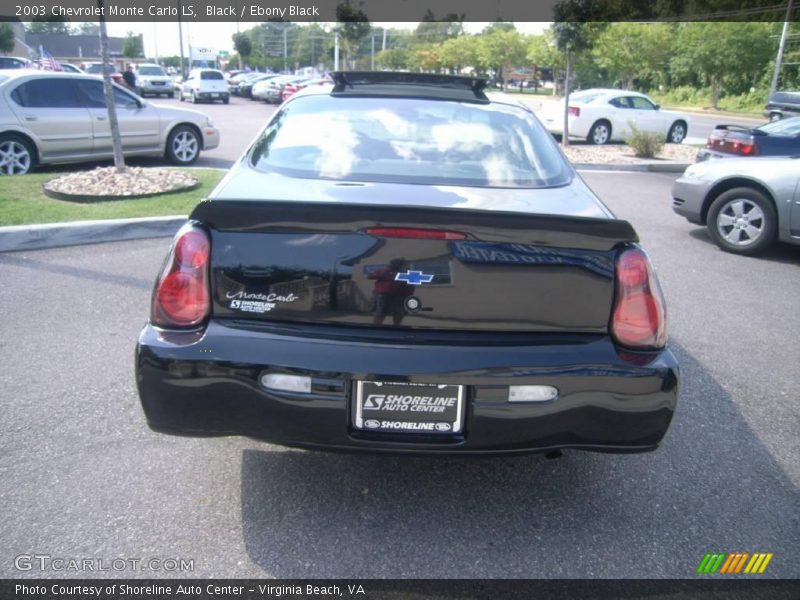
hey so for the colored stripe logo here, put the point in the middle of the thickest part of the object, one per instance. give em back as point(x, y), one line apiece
point(732, 563)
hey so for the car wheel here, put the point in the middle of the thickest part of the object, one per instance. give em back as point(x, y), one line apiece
point(742, 221)
point(775, 116)
point(677, 133)
point(171, 95)
point(140, 92)
point(600, 133)
point(183, 145)
point(17, 156)
point(180, 96)
point(194, 98)
point(226, 100)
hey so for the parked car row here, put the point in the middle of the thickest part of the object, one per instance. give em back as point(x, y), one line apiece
point(54, 117)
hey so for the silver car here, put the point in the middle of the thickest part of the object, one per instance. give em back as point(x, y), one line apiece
point(49, 117)
point(746, 203)
point(153, 79)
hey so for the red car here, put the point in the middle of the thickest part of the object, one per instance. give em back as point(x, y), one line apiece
point(291, 89)
point(96, 68)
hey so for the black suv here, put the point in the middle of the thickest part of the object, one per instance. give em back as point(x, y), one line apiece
point(782, 104)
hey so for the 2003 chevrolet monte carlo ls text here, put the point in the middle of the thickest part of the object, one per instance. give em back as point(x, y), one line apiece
point(404, 263)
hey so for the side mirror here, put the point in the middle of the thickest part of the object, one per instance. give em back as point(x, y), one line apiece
point(658, 106)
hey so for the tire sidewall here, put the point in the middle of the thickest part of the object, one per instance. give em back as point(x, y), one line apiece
point(672, 131)
point(770, 230)
point(171, 154)
point(10, 137)
point(597, 125)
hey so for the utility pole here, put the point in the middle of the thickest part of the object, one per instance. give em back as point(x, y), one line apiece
point(373, 52)
point(180, 39)
point(285, 53)
point(336, 51)
point(781, 48)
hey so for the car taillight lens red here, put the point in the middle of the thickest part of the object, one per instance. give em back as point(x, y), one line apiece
point(412, 232)
point(574, 111)
point(639, 317)
point(182, 298)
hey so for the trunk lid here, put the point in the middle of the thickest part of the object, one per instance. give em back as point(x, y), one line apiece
point(335, 263)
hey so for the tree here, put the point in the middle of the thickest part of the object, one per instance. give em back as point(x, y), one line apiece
point(501, 48)
point(87, 29)
point(633, 51)
point(133, 46)
point(243, 46)
point(113, 123)
point(723, 55)
point(6, 38)
point(353, 26)
point(573, 37)
point(434, 31)
point(47, 25)
point(393, 58)
point(460, 52)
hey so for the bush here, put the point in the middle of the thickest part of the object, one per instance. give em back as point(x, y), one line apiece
point(645, 144)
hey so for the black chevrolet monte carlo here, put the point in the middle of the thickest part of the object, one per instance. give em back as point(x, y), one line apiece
point(405, 263)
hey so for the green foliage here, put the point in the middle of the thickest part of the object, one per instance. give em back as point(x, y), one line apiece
point(6, 38)
point(645, 144)
point(634, 51)
point(133, 47)
point(242, 44)
point(459, 53)
point(501, 48)
point(47, 25)
point(86, 29)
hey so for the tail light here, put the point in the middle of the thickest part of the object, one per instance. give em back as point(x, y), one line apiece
point(413, 232)
point(574, 111)
point(181, 297)
point(639, 317)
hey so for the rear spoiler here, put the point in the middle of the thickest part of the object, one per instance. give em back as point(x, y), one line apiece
point(257, 216)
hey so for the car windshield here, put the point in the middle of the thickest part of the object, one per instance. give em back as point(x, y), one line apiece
point(404, 140)
point(783, 127)
point(206, 75)
point(152, 71)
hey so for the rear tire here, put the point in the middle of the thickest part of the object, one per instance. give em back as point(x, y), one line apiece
point(183, 145)
point(600, 133)
point(742, 221)
point(677, 133)
point(171, 95)
point(17, 155)
point(194, 98)
point(775, 116)
point(226, 100)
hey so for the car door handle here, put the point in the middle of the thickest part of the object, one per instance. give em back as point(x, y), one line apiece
point(31, 118)
point(101, 118)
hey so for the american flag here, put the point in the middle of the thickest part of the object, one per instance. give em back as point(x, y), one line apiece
point(48, 62)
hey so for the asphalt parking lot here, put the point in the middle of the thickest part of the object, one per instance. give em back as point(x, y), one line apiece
point(83, 477)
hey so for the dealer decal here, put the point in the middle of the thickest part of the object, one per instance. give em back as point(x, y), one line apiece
point(257, 303)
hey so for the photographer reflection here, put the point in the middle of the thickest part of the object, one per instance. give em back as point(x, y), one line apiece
point(388, 295)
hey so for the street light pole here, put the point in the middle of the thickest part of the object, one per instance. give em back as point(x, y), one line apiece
point(180, 38)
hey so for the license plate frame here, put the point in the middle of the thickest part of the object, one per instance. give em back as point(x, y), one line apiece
point(430, 408)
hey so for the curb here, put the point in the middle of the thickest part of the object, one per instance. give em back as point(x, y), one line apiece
point(670, 167)
point(54, 235)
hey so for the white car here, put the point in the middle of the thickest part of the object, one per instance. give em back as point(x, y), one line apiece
point(600, 116)
point(205, 85)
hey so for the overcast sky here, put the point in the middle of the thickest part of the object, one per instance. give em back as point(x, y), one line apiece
point(218, 35)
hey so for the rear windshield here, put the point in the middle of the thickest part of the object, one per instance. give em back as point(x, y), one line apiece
point(787, 127)
point(98, 68)
point(788, 97)
point(585, 97)
point(406, 140)
point(211, 75)
point(151, 71)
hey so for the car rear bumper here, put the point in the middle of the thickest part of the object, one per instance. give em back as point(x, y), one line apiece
point(208, 384)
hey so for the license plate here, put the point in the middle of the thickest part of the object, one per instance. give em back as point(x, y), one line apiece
point(386, 407)
point(215, 95)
